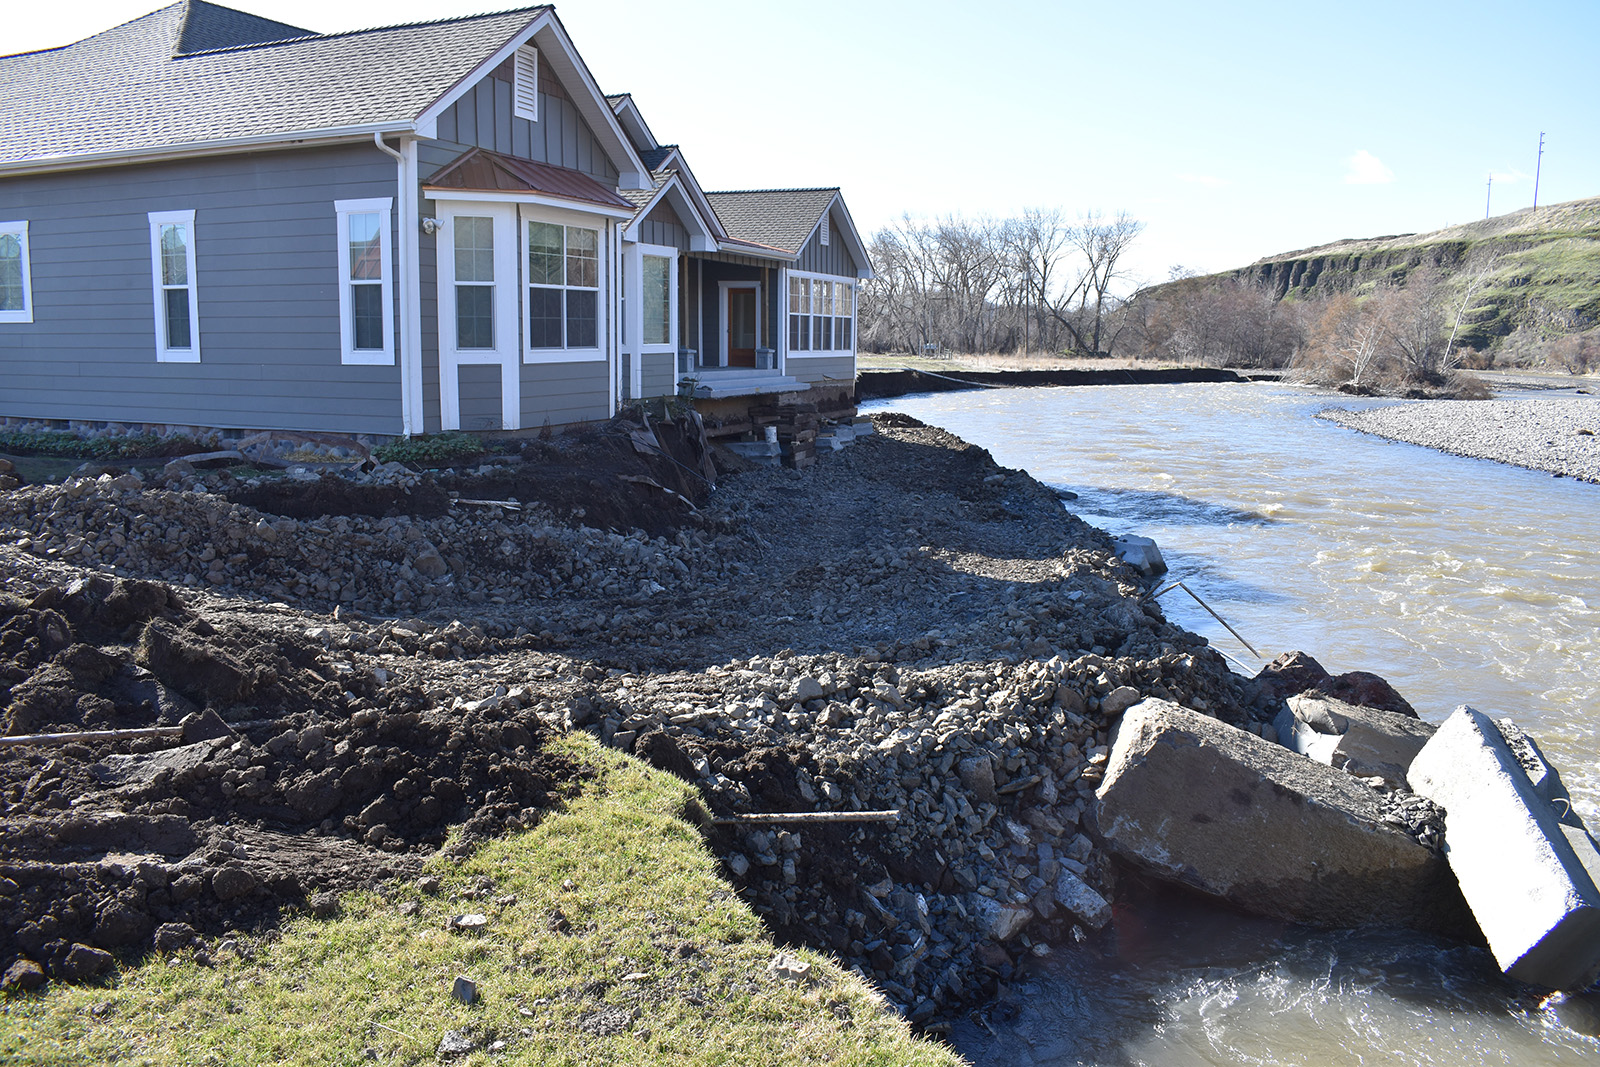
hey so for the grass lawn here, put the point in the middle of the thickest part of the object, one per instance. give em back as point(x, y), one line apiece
point(610, 939)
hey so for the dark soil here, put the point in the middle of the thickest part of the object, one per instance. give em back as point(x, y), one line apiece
point(328, 777)
point(331, 495)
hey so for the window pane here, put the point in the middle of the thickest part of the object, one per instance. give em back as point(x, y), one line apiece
point(474, 249)
point(841, 333)
point(366, 247)
point(10, 272)
point(474, 316)
point(794, 293)
point(657, 300)
point(177, 317)
point(544, 318)
point(174, 255)
point(798, 334)
point(816, 332)
point(366, 310)
point(827, 333)
point(583, 322)
point(544, 254)
point(803, 306)
point(583, 256)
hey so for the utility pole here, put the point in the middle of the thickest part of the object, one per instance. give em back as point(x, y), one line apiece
point(1537, 164)
point(1488, 194)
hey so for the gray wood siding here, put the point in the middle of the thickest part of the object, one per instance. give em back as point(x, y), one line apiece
point(428, 307)
point(660, 370)
point(663, 227)
point(565, 393)
point(833, 258)
point(267, 286)
point(481, 407)
point(483, 118)
point(821, 368)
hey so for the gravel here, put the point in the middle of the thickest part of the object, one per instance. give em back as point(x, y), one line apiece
point(1560, 435)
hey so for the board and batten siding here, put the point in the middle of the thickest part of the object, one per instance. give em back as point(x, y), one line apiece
point(832, 258)
point(267, 282)
point(663, 227)
point(479, 386)
point(483, 118)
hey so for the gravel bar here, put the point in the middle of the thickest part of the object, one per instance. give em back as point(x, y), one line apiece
point(1558, 435)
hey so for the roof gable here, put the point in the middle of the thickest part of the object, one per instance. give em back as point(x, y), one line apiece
point(124, 91)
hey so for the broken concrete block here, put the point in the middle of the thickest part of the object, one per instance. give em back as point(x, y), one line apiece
point(1365, 742)
point(1141, 554)
point(1525, 861)
point(1205, 805)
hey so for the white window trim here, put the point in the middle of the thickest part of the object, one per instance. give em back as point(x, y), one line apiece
point(19, 229)
point(525, 83)
point(507, 305)
point(670, 254)
point(583, 220)
point(823, 353)
point(348, 352)
point(164, 354)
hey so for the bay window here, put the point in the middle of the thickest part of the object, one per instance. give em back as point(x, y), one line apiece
point(821, 315)
point(563, 287)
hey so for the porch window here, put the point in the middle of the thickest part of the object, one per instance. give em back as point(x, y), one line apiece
point(821, 315)
point(365, 289)
point(563, 286)
point(16, 288)
point(177, 310)
point(474, 251)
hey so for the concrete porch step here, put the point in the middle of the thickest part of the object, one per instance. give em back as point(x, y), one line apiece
point(716, 385)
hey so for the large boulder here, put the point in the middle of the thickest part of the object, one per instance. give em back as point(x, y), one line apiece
point(1197, 802)
point(1365, 742)
point(1525, 861)
point(1293, 673)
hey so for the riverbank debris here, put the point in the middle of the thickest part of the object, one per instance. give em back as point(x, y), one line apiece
point(1208, 806)
point(1140, 553)
point(1364, 742)
point(1526, 863)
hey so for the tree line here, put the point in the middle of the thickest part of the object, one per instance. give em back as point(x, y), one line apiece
point(1043, 283)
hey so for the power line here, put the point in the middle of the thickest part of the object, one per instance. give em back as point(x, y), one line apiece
point(1536, 166)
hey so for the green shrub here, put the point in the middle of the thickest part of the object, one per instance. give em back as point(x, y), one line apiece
point(430, 448)
point(104, 446)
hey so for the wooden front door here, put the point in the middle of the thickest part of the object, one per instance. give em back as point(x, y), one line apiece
point(742, 332)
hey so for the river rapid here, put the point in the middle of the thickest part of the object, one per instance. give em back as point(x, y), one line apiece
point(1458, 580)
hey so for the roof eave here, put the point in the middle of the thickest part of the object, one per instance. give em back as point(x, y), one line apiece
point(215, 147)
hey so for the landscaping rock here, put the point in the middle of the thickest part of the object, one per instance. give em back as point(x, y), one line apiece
point(455, 1043)
point(1089, 907)
point(23, 975)
point(1202, 804)
point(1525, 861)
point(84, 962)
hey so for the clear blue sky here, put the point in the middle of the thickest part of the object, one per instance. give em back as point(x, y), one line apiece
point(1234, 130)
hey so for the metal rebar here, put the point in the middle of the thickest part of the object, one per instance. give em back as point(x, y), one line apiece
point(1213, 614)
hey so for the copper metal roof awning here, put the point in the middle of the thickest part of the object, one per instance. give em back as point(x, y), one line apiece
point(480, 170)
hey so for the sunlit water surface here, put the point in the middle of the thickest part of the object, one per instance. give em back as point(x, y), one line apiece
point(1459, 580)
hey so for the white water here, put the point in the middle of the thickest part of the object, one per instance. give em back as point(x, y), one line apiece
point(1458, 580)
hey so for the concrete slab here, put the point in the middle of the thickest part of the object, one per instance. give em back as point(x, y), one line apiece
point(1202, 804)
point(1365, 742)
point(1140, 553)
point(1525, 861)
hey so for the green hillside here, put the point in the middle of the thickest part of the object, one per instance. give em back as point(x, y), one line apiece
point(1543, 268)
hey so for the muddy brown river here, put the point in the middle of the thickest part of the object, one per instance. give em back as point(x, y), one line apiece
point(1459, 580)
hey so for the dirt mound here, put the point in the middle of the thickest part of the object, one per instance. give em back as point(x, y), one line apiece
point(124, 845)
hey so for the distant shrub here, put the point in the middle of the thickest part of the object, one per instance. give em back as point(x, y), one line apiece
point(430, 448)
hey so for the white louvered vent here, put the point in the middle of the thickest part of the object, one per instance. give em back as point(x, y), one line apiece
point(525, 93)
point(824, 230)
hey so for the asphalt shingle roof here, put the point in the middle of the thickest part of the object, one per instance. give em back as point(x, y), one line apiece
point(127, 90)
point(777, 218)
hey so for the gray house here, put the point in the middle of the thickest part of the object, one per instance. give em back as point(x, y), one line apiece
point(212, 219)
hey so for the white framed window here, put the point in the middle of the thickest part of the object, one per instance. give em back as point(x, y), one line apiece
point(16, 282)
point(658, 275)
point(366, 292)
point(525, 89)
point(822, 314)
point(564, 306)
point(173, 275)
